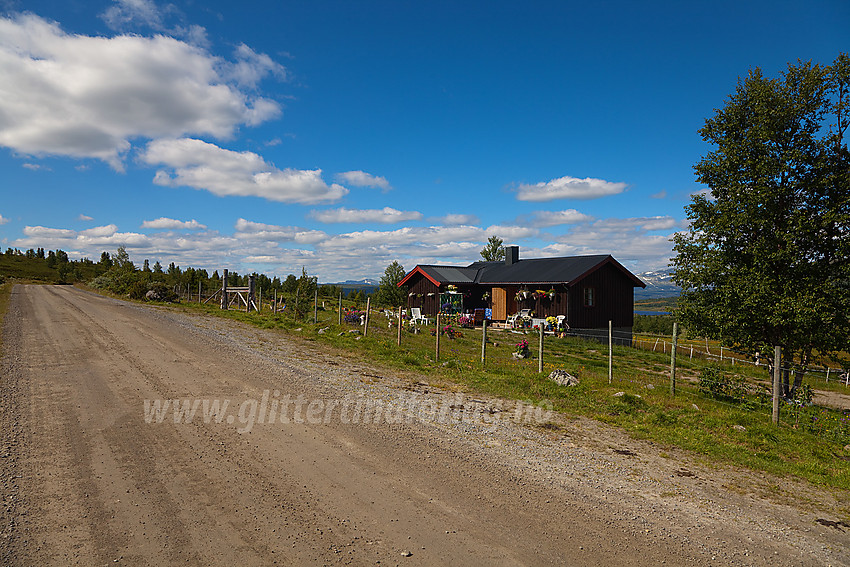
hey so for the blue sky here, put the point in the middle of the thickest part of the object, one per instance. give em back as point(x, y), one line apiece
point(340, 136)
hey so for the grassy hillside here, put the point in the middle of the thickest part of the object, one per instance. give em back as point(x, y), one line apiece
point(660, 304)
point(21, 267)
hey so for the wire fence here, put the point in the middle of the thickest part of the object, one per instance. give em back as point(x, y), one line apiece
point(687, 349)
point(691, 349)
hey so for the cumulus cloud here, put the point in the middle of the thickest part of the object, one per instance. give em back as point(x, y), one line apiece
point(84, 96)
point(99, 231)
point(173, 224)
point(629, 240)
point(3, 220)
point(386, 215)
point(555, 218)
point(124, 12)
point(363, 179)
point(201, 165)
point(251, 67)
point(569, 188)
point(428, 235)
point(454, 219)
point(249, 230)
point(512, 232)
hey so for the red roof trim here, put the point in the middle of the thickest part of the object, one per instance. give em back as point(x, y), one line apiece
point(415, 270)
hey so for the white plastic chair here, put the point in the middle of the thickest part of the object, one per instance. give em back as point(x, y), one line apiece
point(416, 316)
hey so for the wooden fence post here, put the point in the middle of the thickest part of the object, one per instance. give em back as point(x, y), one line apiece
point(224, 304)
point(437, 351)
point(673, 359)
point(777, 359)
point(540, 351)
point(610, 351)
point(366, 322)
point(199, 292)
point(260, 301)
point(398, 340)
point(316, 306)
point(339, 310)
point(484, 343)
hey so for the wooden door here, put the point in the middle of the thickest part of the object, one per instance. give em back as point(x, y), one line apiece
point(500, 304)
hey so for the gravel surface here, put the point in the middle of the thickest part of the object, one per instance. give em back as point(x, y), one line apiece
point(372, 465)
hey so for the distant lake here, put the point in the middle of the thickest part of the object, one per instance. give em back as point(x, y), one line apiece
point(652, 312)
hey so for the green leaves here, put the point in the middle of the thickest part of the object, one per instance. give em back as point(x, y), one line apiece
point(765, 260)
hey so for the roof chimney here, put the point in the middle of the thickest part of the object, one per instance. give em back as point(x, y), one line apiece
point(511, 255)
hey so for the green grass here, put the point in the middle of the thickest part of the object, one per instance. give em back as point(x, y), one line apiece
point(646, 412)
point(659, 304)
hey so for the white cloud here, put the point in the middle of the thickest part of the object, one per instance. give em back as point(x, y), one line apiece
point(509, 232)
point(173, 224)
point(83, 217)
point(569, 188)
point(45, 232)
point(634, 223)
point(454, 219)
point(84, 96)
point(99, 231)
point(124, 12)
point(35, 166)
point(252, 67)
point(363, 179)
point(202, 165)
point(248, 230)
point(658, 223)
point(3, 220)
point(555, 218)
point(660, 195)
point(386, 215)
point(280, 250)
point(355, 242)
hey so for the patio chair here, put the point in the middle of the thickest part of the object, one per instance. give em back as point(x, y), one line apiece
point(416, 316)
point(513, 319)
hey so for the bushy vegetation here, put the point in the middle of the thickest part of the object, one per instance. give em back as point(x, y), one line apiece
point(655, 325)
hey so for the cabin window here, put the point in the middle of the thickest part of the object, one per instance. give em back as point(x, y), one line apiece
point(589, 297)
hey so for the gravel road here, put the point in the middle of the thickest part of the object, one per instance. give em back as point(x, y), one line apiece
point(318, 458)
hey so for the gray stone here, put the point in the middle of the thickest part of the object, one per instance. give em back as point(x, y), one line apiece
point(563, 378)
point(153, 295)
point(739, 428)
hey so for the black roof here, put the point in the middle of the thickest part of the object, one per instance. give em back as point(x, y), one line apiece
point(566, 270)
point(541, 270)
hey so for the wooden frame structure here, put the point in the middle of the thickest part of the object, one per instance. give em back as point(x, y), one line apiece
point(229, 295)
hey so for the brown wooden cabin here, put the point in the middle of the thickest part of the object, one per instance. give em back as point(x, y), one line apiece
point(588, 290)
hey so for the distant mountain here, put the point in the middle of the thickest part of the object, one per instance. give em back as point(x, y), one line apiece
point(659, 283)
point(365, 285)
point(350, 283)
